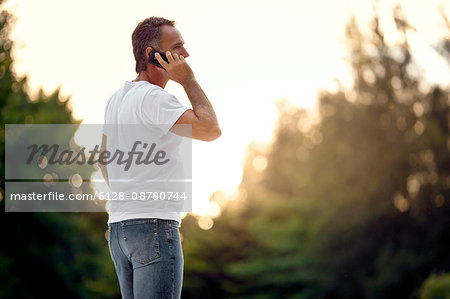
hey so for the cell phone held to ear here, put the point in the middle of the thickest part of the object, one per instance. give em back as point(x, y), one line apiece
point(152, 59)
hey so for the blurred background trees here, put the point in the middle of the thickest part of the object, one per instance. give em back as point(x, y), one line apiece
point(46, 254)
point(436, 286)
point(352, 205)
point(355, 205)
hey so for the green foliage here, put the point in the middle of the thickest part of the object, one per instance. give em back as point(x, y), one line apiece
point(46, 254)
point(50, 253)
point(352, 206)
point(436, 287)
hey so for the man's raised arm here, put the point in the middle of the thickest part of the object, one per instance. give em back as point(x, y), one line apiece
point(202, 117)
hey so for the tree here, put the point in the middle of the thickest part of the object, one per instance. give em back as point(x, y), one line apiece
point(355, 206)
point(46, 253)
point(436, 287)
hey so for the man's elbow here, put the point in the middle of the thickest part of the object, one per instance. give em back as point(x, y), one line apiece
point(213, 134)
point(217, 133)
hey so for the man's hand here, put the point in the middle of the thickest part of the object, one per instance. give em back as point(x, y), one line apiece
point(177, 68)
point(202, 118)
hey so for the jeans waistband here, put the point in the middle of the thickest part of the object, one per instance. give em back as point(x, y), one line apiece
point(144, 220)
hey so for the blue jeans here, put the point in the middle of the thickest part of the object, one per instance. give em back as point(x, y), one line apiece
point(148, 258)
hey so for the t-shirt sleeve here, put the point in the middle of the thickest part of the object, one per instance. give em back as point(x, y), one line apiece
point(163, 109)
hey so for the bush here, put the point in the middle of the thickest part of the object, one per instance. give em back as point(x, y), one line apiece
point(436, 287)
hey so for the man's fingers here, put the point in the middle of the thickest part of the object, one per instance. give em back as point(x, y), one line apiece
point(160, 60)
point(172, 58)
point(169, 57)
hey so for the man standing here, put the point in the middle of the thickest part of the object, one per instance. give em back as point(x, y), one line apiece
point(144, 243)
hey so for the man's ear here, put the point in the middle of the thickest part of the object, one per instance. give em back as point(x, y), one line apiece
point(147, 52)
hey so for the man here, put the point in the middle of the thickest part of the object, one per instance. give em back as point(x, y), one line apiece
point(144, 243)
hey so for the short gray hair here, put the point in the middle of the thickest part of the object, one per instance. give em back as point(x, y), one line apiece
point(147, 34)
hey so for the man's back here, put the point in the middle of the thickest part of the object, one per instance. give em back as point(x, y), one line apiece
point(140, 115)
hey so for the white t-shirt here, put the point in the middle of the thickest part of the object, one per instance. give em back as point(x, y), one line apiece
point(141, 109)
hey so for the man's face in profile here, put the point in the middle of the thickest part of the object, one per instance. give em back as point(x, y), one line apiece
point(171, 40)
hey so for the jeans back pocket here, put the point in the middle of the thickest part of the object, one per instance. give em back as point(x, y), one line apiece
point(142, 241)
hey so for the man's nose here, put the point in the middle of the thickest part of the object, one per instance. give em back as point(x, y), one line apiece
point(185, 54)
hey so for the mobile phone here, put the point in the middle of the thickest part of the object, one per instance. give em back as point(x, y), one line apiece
point(152, 59)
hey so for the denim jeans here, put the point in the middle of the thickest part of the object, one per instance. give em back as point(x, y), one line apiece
point(148, 258)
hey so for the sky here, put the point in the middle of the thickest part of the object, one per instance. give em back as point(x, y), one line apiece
point(246, 55)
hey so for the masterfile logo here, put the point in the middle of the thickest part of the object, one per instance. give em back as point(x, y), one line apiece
point(49, 169)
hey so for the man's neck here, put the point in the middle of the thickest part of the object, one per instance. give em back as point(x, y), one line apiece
point(152, 77)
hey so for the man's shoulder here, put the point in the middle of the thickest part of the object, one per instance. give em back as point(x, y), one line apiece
point(146, 89)
point(140, 91)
